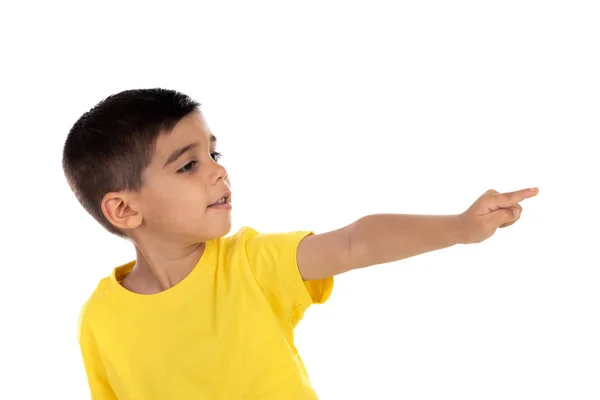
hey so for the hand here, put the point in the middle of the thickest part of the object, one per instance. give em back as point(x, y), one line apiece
point(491, 211)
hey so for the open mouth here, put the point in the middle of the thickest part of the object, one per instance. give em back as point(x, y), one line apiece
point(225, 199)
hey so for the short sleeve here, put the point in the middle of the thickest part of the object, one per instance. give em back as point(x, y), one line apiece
point(272, 258)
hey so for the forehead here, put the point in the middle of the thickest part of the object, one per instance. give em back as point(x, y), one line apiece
point(191, 129)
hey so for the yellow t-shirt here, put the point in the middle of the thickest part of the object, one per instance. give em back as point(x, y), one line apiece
point(223, 332)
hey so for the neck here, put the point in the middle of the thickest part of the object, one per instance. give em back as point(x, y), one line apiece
point(164, 266)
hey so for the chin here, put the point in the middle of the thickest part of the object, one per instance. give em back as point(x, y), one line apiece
point(218, 229)
point(202, 229)
point(224, 230)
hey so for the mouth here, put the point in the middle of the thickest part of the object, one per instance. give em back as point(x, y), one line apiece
point(224, 199)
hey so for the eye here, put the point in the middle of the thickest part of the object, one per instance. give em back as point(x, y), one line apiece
point(216, 156)
point(189, 167)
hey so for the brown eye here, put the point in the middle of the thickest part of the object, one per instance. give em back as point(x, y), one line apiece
point(188, 167)
point(216, 156)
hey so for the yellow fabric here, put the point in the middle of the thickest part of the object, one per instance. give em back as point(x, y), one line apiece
point(223, 332)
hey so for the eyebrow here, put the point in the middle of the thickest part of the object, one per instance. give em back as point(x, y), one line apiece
point(179, 152)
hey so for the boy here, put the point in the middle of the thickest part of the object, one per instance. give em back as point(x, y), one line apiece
point(199, 315)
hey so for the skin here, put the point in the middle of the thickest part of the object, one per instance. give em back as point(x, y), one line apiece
point(169, 220)
point(382, 238)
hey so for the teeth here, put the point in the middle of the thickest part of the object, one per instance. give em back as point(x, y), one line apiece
point(222, 200)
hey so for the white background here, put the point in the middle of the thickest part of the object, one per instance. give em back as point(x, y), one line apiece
point(327, 112)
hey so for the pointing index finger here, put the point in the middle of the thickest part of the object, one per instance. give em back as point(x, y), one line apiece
point(511, 198)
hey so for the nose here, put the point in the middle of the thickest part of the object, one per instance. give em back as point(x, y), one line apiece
point(219, 173)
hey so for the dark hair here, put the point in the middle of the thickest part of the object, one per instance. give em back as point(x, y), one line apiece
point(109, 146)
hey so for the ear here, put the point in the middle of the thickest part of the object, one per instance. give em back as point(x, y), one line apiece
point(121, 209)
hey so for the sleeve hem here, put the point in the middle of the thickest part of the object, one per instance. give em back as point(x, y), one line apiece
point(307, 292)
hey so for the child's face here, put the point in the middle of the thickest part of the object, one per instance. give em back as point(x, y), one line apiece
point(181, 182)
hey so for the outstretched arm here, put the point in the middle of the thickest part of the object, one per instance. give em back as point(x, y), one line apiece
point(382, 238)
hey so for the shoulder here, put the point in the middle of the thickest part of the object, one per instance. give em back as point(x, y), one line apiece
point(237, 241)
point(91, 306)
point(250, 240)
point(102, 300)
point(245, 233)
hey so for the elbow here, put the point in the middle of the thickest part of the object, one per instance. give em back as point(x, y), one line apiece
point(357, 247)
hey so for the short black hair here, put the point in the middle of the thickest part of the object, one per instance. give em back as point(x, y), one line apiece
point(109, 147)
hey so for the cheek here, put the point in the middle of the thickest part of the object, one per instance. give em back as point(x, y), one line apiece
point(172, 202)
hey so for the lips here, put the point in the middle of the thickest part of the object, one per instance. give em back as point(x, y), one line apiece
point(223, 199)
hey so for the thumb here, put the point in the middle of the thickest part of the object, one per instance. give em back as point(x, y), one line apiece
point(505, 215)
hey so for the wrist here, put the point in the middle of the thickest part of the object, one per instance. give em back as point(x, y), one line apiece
point(460, 231)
